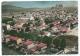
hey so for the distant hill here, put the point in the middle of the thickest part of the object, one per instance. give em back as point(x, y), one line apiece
point(7, 8)
point(10, 8)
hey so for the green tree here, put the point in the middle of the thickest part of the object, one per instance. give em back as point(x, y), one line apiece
point(5, 20)
point(47, 40)
point(62, 43)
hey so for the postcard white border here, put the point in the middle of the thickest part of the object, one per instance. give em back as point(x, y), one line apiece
point(44, 55)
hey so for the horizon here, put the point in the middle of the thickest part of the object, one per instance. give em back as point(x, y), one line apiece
point(39, 4)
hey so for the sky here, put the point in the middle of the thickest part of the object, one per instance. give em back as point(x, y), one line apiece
point(39, 4)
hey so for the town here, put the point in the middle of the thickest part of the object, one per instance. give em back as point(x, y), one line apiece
point(42, 31)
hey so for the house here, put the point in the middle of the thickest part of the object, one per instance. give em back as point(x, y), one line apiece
point(38, 46)
point(63, 29)
point(7, 40)
point(13, 38)
point(47, 33)
point(55, 29)
point(41, 46)
point(18, 26)
point(29, 44)
point(19, 40)
point(31, 18)
point(34, 49)
point(8, 27)
point(56, 22)
point(43, 26)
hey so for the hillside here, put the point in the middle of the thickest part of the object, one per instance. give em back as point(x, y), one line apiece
point(10, 8)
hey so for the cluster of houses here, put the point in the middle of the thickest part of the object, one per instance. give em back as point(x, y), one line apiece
point(62, 22)
point(46, 22)
point(26, 46)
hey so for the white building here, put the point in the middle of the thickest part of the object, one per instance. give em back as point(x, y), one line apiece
point(8, 27)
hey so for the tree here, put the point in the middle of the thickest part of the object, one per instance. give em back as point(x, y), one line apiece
point(60, 42)
point(56, 42)
point(5, 20)
point(13, 32)
point(12, 16)
point(47, 40)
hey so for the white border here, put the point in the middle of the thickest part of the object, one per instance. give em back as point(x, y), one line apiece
point(44, 55)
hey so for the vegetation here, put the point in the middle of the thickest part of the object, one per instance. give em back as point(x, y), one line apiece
point(48, 20)
point(5, 20)
point(60, 42)
point(47, 40)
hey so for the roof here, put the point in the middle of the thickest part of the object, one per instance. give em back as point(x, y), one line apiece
point(33, 49)
point(56, 22)
point(13, 38)
point(47, 33)
point(41, 45)
point(28, 42)
point(63, 29)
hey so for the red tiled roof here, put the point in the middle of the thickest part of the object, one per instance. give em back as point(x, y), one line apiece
point(28, 42)
point(43, 26)
point(13, 38)
point(63, 29)
point(41, 45)
point(58, 26)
